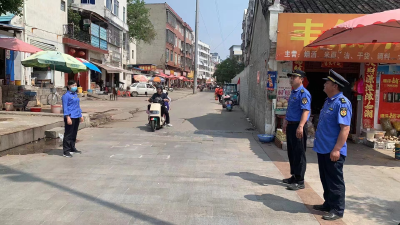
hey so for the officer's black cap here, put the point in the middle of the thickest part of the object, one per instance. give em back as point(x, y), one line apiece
point(336, 78)
point(297, 73)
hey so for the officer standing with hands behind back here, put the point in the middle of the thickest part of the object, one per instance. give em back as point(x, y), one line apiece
point(297, 115)
point(331, 147)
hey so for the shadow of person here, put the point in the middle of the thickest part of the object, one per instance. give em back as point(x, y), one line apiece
point(255, 178)
point(278, 203)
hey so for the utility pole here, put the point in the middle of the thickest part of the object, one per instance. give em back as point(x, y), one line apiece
point(196, 57)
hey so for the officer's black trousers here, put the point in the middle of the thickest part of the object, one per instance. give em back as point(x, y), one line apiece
point(331, 174)
point(71, 131)
point(296, 149)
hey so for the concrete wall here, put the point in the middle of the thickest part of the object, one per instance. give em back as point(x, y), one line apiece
point(259, 107)
point(243, 89)
point(154, 53)
point(8, 92)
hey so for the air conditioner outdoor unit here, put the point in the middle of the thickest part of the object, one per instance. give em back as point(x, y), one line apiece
point(86, 22)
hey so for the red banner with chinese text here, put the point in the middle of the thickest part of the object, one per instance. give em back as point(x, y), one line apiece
point(299, 65)
point(389, 100)
point(369, 96)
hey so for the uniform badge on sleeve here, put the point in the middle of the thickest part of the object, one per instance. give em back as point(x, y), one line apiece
point(304, 100)
point(302, 91)
point(343, 112)
point(343, 100)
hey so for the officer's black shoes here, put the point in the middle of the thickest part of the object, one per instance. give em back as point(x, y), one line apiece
point(331, 216)
point(295, 186)
point(321, 208)
point(290, 180)
point(67, 155)
point(76, 152)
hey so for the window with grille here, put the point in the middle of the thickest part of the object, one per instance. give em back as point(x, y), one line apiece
point(93, 2)
point(62, 5)
point(109, 4)
point(116, 7)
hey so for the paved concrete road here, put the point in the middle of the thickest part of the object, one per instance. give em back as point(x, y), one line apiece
point(207, 169)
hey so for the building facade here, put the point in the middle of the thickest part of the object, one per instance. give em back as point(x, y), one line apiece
point(98, 33)
point(248, 17)
point(173, 47)
point(235, 52)
point(205, 69)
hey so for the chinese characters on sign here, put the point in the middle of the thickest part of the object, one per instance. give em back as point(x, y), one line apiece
point(389, 104)
point(297, 30)
point(148, 68)
point(332, 65)
point(369, 97)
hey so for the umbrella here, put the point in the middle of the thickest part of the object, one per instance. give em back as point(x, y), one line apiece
point(162, 75)
point(89, 65)
point(18, 45)
point(55, 60)
point(383, 27)
point(157, 79)
point(140, 78)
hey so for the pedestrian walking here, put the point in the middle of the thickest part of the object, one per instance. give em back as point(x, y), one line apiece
point(72, 118)
point(297, 115)
point(331, 147)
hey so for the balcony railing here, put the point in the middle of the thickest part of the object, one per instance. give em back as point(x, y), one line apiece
point(73, 32)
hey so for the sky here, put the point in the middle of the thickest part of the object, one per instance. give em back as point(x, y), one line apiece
point(220, 32)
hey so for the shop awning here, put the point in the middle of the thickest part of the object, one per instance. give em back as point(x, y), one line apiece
point(109, 69)
point(15, 44)
point(128, 72)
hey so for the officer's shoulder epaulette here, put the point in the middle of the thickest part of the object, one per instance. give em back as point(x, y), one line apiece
point(343, 100)
point(302, 90)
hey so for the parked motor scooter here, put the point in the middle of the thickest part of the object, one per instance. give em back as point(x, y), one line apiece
point(169, 89)
point(227, 103)
point(156, 120)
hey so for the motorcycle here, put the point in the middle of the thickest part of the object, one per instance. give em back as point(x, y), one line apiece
point(228, 103)
point(156, 120)
point(201, 89)
point(169, 89)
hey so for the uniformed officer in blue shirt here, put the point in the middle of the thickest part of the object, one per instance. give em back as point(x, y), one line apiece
point(297, 115)
point(72, 117)
point(330, 145)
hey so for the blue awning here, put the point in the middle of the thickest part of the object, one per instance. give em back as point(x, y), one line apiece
point(6, 17)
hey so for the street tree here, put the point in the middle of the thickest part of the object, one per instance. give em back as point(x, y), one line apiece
point(140, 26)
point(228, 69)
point(11, 6)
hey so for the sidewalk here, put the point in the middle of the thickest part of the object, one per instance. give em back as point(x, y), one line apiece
point(372, 183)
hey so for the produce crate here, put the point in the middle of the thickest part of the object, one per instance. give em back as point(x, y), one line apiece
point(374, 144)
point(390, 145)
point(278, 143)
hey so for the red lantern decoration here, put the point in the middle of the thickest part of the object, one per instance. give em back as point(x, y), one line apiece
point(72, 51)
point(82, 53)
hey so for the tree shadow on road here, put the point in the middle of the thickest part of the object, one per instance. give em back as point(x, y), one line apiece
point(19, 176)
point(255, 178)
point(374, 209)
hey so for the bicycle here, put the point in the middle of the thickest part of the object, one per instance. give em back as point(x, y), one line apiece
point(53, 98)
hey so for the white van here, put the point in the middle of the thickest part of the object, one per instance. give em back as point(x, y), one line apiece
point(142, 89)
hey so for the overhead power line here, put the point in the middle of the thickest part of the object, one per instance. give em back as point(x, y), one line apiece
point(219, 20)
point(227, 36)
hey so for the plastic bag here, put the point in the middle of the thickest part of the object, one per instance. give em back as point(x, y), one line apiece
point(386, 124)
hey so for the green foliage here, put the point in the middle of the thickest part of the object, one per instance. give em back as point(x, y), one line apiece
point(11, 6)
point(140, 26)
point(228, 69)
point(74, 17)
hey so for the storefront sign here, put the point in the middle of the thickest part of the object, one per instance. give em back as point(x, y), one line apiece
point(332, 65)
point(299, 65)
point(369, 97)
point(148, 67)
point(297, 30)
point(271, 80)
point(389, 104)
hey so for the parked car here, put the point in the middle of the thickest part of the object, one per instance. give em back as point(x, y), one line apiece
point(142, 89)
